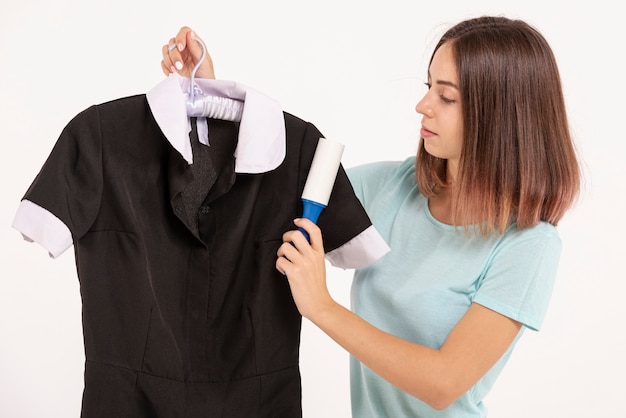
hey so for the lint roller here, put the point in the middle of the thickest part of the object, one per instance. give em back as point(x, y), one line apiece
point(321, 179)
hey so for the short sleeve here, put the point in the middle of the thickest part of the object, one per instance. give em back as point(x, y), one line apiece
point(346, 218)
point(350, 240)
point(520, 277)
point(65, 194)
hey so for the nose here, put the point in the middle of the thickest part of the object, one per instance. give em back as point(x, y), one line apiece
point(423, 107)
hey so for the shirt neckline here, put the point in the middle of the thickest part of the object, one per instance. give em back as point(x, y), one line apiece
point(261, 145)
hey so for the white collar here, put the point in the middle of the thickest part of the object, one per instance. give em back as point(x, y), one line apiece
point(261, 144)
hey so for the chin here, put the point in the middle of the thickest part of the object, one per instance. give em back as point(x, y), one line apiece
point(432, 151)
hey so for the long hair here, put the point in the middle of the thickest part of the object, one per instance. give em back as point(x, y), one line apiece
point(518, 162)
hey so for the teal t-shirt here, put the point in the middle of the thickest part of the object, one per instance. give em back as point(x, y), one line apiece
point(426, 283)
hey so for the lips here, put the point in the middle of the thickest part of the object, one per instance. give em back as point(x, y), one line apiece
point(425, 133)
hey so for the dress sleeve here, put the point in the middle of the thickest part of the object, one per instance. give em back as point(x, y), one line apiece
point(519, 280)
point(350, 239)
point(63, 200)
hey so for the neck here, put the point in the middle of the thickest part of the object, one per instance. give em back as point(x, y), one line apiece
point(452, 167)
point(440, 206)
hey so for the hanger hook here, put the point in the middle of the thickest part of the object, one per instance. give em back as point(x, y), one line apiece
point(192, 91)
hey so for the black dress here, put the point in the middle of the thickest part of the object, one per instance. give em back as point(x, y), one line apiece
point(184, 313)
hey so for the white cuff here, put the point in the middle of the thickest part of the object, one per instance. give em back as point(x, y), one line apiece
point(360, 251)
point(39, 225)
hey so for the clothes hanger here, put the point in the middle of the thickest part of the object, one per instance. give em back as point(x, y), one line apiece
point(200, 104)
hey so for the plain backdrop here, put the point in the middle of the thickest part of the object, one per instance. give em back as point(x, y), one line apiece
point(356, 70)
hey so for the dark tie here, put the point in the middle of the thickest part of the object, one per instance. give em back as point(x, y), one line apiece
point(204, 176)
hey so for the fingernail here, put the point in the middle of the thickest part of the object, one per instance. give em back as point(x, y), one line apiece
point(172, 69)
point(193, 35)
point(179, 65)
point(181, 47)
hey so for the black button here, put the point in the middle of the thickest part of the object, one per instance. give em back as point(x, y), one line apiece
point(204, 210)
point(178, 209)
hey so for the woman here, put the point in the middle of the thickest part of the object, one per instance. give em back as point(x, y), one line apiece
point(471, 225)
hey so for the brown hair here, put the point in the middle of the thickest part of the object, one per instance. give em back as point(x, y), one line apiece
point(518, 162)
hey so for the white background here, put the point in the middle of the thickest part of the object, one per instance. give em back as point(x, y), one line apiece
point(355, 69)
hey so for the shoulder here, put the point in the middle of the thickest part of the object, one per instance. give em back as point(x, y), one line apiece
point(383, 168)
point(383, 179)
point(520, 274)
point(541, 239)
point(294, 121)
point(124, 107)
point(296, 124)
point(376, 174)
point(542, 229)
point(124, 101)
point(301, 135)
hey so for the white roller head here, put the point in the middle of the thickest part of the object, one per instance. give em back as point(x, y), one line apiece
point(323, 172)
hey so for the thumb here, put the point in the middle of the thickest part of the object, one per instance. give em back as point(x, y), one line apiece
point(194, 47)
point(315, 234)
point(196, 50)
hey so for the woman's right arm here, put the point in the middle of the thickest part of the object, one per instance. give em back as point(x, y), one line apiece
point(436, 376)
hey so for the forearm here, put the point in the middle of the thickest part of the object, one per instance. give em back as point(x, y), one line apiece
point(416, 369)
point(436, 376)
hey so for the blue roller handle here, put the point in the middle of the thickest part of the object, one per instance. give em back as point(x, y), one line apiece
point(310, 210)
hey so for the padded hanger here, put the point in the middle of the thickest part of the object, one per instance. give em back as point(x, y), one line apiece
point(200, 104)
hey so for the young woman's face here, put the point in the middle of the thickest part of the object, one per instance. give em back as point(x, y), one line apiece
point(442, 122)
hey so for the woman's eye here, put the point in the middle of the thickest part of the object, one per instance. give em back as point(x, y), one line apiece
point(441, 96)
point(445, 99)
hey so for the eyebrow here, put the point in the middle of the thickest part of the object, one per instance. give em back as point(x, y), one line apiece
point(444, 82)
point(447, 83)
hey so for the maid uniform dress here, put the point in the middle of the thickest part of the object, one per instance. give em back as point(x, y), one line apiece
point(175, 223)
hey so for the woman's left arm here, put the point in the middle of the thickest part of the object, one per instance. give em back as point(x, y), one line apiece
point(436, 376)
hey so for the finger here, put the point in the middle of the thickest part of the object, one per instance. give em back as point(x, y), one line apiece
point(288, 251)
point(166, 70)
point(296, 239)
point(166, 62)
point(288, 236)
point(171, 57)
point(315, 234)
point(174, 58)
point(193, 46)
point(282, 264)
point(182, 37)
point(299, 241)
point(281, 251)
point(196, 50)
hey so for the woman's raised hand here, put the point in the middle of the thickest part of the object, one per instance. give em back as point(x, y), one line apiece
point(182, 53)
